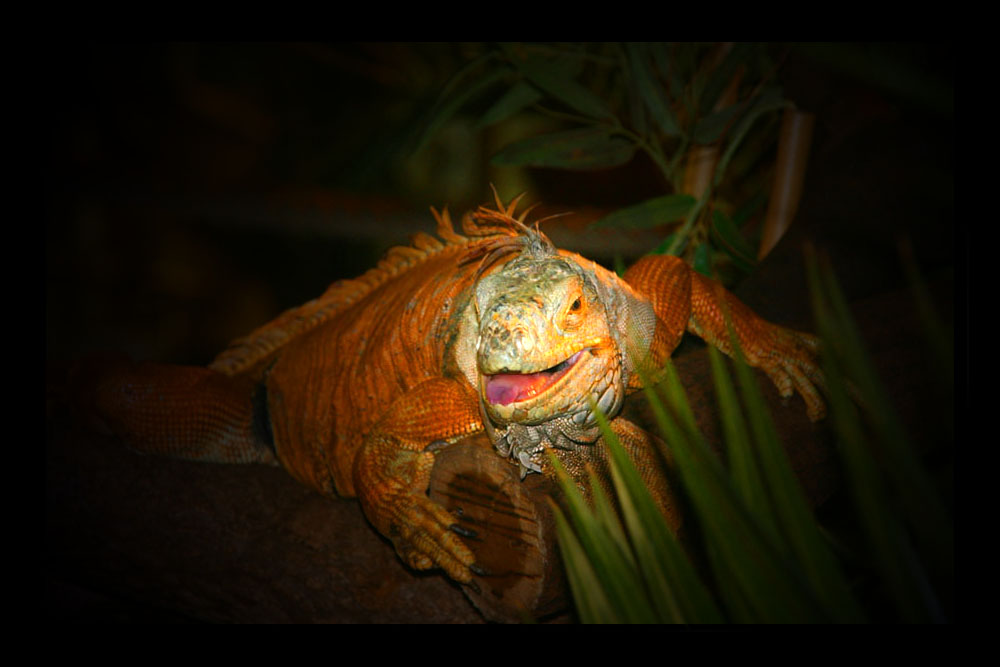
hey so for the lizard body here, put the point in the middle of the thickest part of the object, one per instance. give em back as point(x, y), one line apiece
point(493, 330)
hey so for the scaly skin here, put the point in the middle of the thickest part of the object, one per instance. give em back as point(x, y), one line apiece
point(493, 330)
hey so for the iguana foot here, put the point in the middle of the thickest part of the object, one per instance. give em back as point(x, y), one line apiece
point(425, 537)
point(788, 357)
point(425, 534)
point(792, 366)
point(685, 300)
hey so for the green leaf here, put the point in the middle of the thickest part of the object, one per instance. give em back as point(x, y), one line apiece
point(897, 493)
point(742, 465)
point(940, 336)
point(670, 580)
point(787, 511)
point(650, 91)
point(749, 208)
point(558, 82)
point(709, 128)
point(581, 149)
point(769, 99)
point(591, 602)
point(449, 105)
point(650, 213)
point(722, 75)
point(610, 567)
point(517, 98)
point(757, 576)
point(730, 240)
point(671, 66)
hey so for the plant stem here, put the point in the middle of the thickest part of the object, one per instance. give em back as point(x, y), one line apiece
point(689, 221)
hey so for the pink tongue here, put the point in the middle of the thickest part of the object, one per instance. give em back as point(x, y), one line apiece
point(505, 389)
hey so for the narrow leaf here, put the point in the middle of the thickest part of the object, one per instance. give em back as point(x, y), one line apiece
point(670, 580)
point(650, 91)
point(743, 468)
point(769, 99)
point(722, 75)
point(591, 602)
point(800, 536)
point(582, 149)
point(448, 106)
point(607, 553)
point(710, 127)
point(904, 481)
point(731, 241)
point(517, 98)
point(761, 575)
point(650, 213)
point(557, 82)
point(674, 64)
point(665, 245)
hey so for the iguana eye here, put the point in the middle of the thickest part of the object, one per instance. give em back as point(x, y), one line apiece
point(575, 306)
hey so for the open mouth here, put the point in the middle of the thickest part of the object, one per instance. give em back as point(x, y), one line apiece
point(507, 388)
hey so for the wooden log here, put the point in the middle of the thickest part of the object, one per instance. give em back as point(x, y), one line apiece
point(514, 530)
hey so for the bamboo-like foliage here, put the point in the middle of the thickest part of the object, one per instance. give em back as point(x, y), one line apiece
point(769, 560)
point(705, 115)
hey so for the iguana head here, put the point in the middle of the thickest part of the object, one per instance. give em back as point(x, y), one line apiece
point(553, 334)
point(545, 346)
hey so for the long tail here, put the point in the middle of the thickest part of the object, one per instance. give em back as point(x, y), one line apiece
point(186, 412)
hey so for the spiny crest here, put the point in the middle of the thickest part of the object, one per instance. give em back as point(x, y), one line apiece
point(512, 235)
point(253, 350)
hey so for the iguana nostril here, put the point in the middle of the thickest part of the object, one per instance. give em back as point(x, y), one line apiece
point(524, 341)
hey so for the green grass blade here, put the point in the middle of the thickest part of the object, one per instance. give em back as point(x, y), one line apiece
point(592, 603)
point(924, 510)
point(743, 468)
point(900, 476)
point(774, 492)
point(761, 576)
point(609, 562)
point(940, 336)
point(671, 582)
point(800, 533)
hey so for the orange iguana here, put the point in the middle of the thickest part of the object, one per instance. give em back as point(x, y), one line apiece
point(493, 330)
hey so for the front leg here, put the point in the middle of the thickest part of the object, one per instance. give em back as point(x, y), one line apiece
point(684, 299)
point(392, 473)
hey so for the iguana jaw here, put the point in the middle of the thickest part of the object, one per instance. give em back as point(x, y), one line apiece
point(508, 388)
point(565, 390)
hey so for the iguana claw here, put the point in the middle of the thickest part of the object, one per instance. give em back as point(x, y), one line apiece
point(526, 465)
point(424, 535)
point(393, 486)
